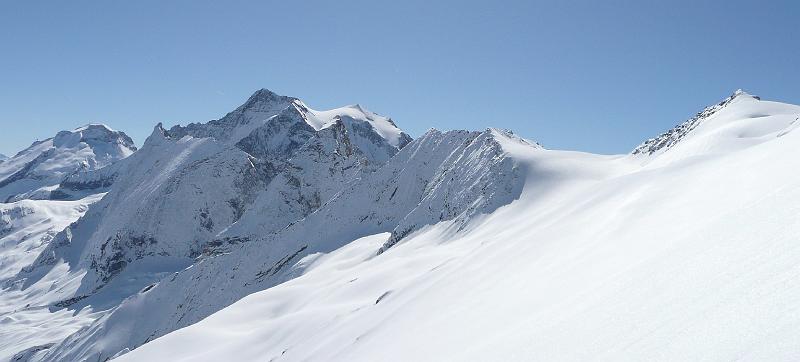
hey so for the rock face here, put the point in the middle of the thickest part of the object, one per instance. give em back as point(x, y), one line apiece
point(36, 171)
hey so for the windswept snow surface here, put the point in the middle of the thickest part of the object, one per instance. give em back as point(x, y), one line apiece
point(683, 254)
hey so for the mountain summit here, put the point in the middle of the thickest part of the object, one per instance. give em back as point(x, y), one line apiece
point(737, 122)
point(37, 170)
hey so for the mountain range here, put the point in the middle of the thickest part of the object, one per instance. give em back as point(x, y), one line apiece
point(280, 232)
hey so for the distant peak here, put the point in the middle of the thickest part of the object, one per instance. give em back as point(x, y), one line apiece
point(264, 99)
point(95, 126)
point(741, 93)
point(266, 95)
point(510, 135)
point(357, 107)
point(159, 133)
point(671, 137)
point(93, 134)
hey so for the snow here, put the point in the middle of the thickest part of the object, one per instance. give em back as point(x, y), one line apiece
point(256, 116)
point(383, 125)
point(26, 228)
point(284, 233)
point(33, 172)
point(396, 198)
point(171, 200)
point(601, 257)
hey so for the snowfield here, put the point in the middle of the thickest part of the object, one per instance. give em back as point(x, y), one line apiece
point(282, 233)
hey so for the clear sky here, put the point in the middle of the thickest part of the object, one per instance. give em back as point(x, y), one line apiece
point(597, 76)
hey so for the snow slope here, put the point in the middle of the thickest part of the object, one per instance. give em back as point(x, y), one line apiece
point(26, 228)
point(397, 197)
point(279, 232)
point(687, 253)
point(37, 170)
point(167, 203)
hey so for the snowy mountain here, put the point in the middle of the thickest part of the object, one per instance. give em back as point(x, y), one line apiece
point(279, 232)
point(599, 257)
point(3, 157)
point(37, 170)
point(167, 202)
point(397, 197)
point(26, 228)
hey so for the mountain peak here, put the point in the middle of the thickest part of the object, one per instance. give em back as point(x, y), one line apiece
point(741, 93)
point(670, 138)
point(95, 136)
point(382, 125)
point(357, 107)
point(158, 134)
point(738, 121)
point(239, 123)
point(509, 135)
point(264, 98)
point(97, 126)
point(46, 163)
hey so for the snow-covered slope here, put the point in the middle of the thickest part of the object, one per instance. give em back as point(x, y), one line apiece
point(37, 170)
point(26, 228)
point(396, 197)
point(168, 202)
point(172, 195)
point(739, 121)
point(179, 191)
point(600, 257)
point(349, 241)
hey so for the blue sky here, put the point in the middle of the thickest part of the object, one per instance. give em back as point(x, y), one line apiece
point(597, 76)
